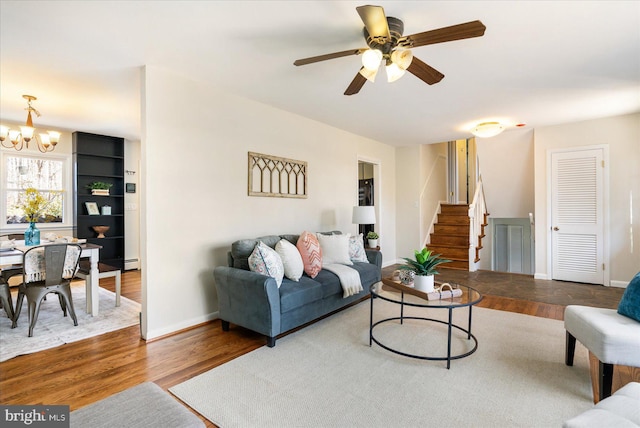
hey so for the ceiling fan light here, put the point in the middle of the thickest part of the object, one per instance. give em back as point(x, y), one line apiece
point(487, 129)
point(371, 59)
point(393, 72)
point(402, 58)
point(370, 75)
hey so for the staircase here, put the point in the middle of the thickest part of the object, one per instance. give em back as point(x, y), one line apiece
point(451, 236)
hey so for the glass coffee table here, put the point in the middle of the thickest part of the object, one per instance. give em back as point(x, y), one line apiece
point(403, 295)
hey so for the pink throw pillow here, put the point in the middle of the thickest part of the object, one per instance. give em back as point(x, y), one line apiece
point(310, 252)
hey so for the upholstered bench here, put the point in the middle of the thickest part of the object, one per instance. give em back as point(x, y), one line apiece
point(621, 410)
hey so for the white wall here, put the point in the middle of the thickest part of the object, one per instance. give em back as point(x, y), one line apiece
point(622, 135)
point(132, 205)
point(421, 185)
point(194, 199)
point(506, 166)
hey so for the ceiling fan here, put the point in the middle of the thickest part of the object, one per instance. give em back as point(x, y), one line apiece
point(383, 35)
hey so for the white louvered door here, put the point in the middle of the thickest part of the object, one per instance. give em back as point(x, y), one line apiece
point(577, 223)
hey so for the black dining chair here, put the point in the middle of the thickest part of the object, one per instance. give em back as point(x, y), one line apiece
point(6, 301)
point(47, 269)
point(9, 272)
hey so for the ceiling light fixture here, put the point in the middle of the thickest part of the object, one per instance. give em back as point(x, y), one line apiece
point(487, 129)
point(371, 59)
point(20, 139)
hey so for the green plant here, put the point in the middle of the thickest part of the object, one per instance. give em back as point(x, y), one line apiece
point(372, 235)
point(35, 204)
point(99, 185)
point(425, 262)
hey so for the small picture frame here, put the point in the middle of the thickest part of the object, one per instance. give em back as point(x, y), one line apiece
point(92, 208)
point(130, 187)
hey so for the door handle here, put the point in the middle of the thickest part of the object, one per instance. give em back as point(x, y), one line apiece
point(556, 228)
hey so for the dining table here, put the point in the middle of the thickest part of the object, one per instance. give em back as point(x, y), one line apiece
point(15, 255)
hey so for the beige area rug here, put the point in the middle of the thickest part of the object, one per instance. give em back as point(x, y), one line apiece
point(53, 329)
point(326, 375)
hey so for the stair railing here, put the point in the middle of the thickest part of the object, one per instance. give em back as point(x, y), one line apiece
point(477, 211)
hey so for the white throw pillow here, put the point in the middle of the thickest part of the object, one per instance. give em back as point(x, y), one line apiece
point(356, 249)
point(291, 260)
point(335, 249)
point(265, 260)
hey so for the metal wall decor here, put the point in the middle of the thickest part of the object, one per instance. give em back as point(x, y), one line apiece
point(274, 176)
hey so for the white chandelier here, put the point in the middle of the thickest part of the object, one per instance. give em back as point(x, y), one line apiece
point(19, 139)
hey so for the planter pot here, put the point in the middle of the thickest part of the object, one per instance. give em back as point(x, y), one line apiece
point(373, 243)
point(100, 192)
point(423, 283)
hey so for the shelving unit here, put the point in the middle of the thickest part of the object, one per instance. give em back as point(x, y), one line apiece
point(100, 158)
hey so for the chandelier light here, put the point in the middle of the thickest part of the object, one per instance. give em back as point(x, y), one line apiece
point(487, 129)
point(19, 139)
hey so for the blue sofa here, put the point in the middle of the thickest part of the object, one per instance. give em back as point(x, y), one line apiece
point(254, 301)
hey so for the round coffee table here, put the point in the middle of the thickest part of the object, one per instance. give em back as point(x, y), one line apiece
point(394, 292)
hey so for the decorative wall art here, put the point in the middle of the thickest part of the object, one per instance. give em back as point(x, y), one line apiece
point(274, 176)
point(92, 208)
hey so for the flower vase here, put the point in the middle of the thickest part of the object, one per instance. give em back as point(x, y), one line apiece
point(32, 235)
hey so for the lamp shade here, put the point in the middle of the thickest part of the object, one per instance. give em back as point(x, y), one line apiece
point(364, 215)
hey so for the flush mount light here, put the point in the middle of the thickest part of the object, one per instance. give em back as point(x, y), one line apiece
point(487, 129)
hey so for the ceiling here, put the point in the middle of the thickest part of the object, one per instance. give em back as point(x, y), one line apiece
point(539, 63)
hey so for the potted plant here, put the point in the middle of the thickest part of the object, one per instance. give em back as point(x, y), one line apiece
point(424, 267)
point(372, 238)
point(99, 188)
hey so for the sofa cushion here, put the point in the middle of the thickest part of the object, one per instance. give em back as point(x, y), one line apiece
point(310, 252)
point(369, 273)
point(295, 294)
point(330, 283)
point(335, 249)
point(266, 261)
point(291, 259)
point(629, 305)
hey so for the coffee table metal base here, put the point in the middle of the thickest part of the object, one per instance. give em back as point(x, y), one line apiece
point(451, 326)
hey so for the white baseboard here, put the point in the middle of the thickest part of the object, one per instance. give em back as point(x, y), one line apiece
point(618, 284)
point(540, 276)
point(176, 328)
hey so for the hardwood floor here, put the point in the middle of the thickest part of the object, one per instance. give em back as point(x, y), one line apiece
point(81, 373)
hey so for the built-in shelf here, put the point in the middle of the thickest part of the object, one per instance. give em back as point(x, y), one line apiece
point(100, 158)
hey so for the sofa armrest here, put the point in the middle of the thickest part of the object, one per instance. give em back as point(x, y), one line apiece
point(248, 299)
point(374, 257)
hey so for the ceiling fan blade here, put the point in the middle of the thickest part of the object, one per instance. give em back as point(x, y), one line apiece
point(376, 23)
point(311, 60)
point(445, 34)
point(424, 72)
point(356, 84)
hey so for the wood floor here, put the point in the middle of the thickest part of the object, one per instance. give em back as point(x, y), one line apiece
point(81, 373)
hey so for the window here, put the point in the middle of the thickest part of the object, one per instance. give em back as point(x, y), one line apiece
point(48, 174)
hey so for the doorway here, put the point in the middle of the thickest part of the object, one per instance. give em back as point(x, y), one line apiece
point(366, 191)
point(463, 167)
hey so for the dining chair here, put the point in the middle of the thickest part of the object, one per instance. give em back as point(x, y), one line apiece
point(47, 269)
point(6, 301)
point(9, 272)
